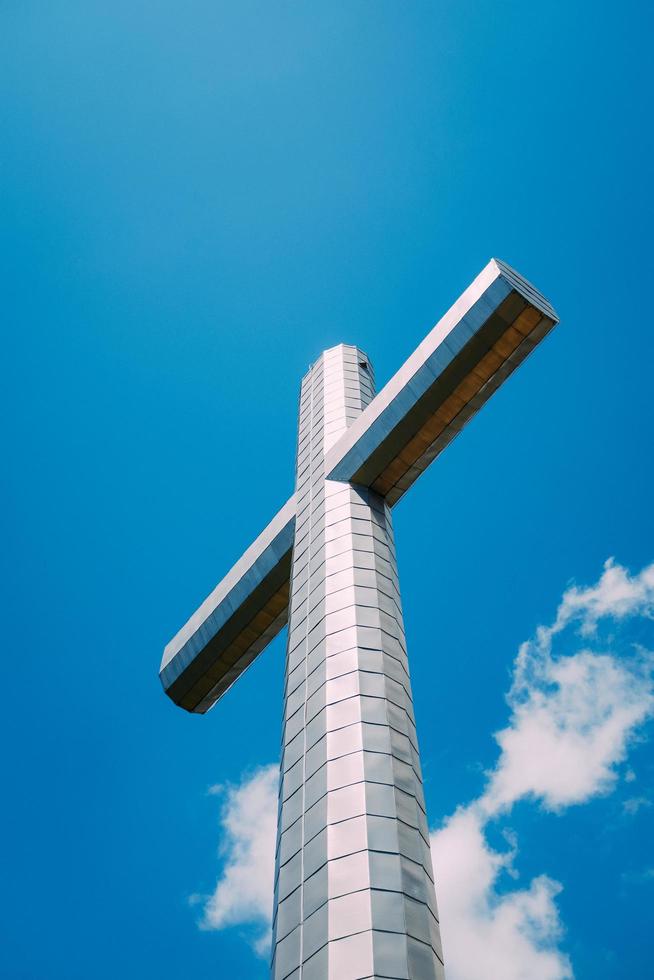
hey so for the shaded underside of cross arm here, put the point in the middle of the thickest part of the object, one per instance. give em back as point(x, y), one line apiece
point(234, 624)
point(488, 332)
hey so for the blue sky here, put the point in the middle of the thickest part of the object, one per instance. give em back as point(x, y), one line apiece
point(196, 200)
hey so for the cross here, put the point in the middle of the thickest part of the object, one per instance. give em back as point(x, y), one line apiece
point(354, 886)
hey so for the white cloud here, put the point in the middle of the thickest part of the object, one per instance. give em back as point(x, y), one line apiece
point(617, 594)
point(512, 936)
point(572, 721)
point(572, 717)
point(244, 891)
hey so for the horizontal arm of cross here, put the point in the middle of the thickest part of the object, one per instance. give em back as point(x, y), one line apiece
point(488, 332)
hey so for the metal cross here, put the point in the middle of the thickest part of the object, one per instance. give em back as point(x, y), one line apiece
point(354, 891)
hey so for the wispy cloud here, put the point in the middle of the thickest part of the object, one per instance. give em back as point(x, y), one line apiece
point(244, 892)
point(514, 935)
point(616, 595)
point(572, 721)
point(636, 803)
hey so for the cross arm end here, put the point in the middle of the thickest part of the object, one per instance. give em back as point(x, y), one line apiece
point(236, 621)
point(483, 337)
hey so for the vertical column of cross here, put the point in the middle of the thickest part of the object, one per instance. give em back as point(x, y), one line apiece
point(354, 894)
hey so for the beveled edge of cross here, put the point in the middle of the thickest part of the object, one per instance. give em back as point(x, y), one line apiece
point(478, 343)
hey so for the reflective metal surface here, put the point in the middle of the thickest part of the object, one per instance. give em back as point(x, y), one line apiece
point(235, 622)
point(354, 893)
point(479, 342)
point(491, 328)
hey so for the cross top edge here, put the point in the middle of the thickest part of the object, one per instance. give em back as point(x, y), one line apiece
point(340, 351)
